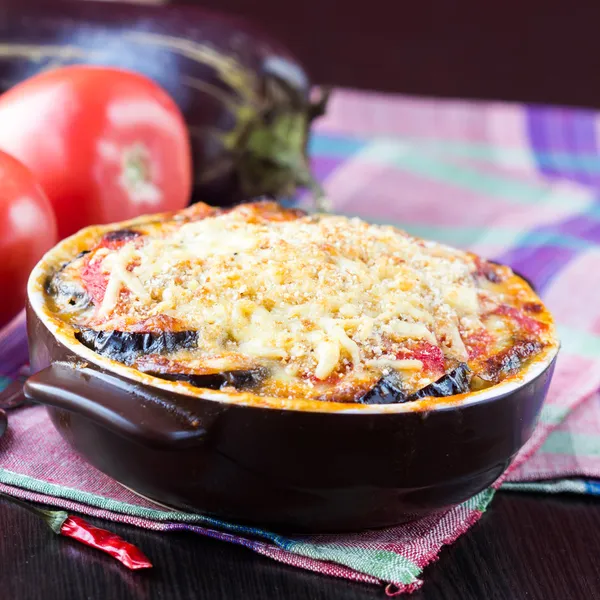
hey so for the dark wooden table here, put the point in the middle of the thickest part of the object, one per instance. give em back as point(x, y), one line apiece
point(525, 546)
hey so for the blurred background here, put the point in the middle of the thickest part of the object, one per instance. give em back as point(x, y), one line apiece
point(533, 51)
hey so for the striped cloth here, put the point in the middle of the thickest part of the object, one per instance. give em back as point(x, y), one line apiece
point(514, 183)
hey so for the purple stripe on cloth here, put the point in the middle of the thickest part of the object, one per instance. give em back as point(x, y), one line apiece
point(570, 132)
point(545, 135)
point(13, 346)
point(539, 264)
point(581, 136)
point(323, 166)
point(580, 226)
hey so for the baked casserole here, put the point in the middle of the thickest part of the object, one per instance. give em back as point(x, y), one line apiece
point(273, 302)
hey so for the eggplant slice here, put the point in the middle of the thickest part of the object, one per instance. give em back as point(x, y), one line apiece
point(240, 380)
point(507, 362)
point(66, 291)
point(457, 381)
point(216, 372)
point(125, 347)
point(121, 235)
point(388, 390)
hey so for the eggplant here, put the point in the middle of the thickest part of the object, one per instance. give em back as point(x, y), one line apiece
point(125, 347)
point(388, 390)
point(120, 235)
point(508, 361)
point(216, 372)
point(240, 380)
point(66, 292)
point(245, 98)
point(457, 381)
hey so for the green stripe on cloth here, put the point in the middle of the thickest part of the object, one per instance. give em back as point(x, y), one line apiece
point(511, 157)
point(108, 504)
point(477, 502)
point(406, 157)
point(51, 489)
point(572, 486)
point(564, 442)
point(383, 564)
point(577, 341)
point(553, 414)
point(480, 501)
point(528, 158)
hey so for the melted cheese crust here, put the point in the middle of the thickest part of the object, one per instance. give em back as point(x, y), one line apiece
point(327, 303)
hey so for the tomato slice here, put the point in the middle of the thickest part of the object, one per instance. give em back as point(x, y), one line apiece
point(525, 322)
point(478, 343)
point(430, 355)
point(93, 277)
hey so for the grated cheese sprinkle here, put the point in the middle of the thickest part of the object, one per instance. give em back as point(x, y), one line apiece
point(319, 293)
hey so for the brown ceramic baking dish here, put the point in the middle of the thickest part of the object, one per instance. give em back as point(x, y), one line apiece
point(293, 465)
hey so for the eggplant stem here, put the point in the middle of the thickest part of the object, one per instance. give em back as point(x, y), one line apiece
point(319, 108)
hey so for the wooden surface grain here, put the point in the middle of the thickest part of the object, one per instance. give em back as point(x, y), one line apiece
point(525, 547)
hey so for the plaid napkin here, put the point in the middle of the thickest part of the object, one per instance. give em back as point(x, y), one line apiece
point(517, 184)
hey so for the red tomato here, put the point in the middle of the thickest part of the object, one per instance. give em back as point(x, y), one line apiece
point(105, 144)
point(27, 230)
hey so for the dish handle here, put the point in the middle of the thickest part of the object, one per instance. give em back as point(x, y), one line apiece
point(126, 407)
